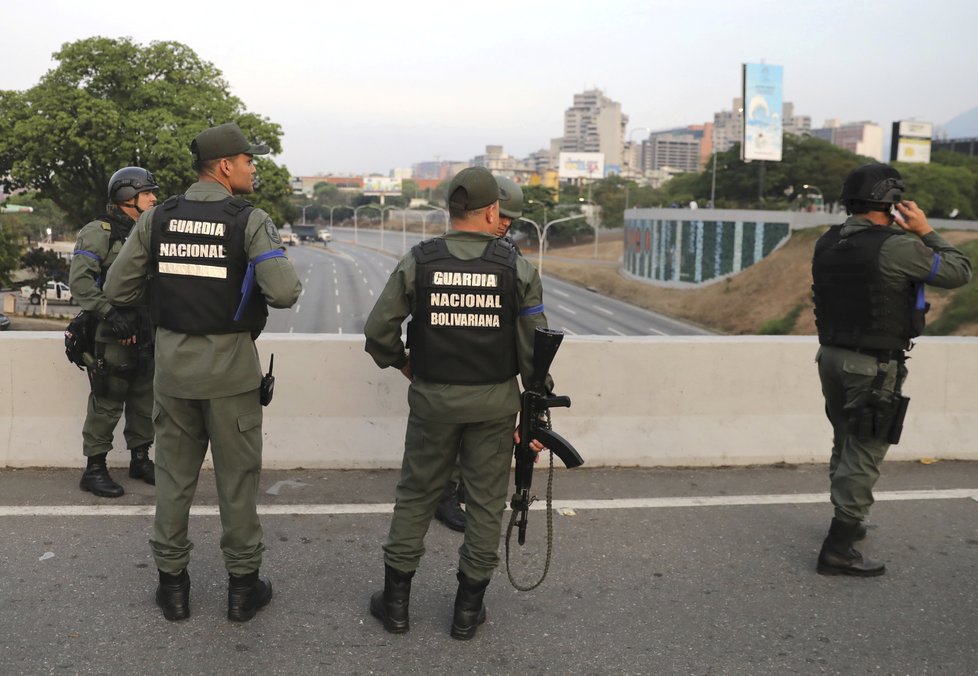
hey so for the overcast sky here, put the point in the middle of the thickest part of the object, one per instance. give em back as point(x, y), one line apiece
point(368, 86)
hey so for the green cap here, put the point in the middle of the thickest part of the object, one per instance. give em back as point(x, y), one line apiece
point(225, 140)
point(471, 189)
point(510, 197)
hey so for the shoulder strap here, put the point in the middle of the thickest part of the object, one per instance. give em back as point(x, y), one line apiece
point(430, 250)
point(500, 251)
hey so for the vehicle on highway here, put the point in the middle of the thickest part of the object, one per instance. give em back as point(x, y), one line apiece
point(4, 322)
point(289, 238)
point(54, 291)
point(325, 236)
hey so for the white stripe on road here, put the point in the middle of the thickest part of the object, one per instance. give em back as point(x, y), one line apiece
point(604, 310)
point(566, 309)
point(583, 504)
point(297, 306)
point(615, 331)
point(558, 292)
point(656, 331)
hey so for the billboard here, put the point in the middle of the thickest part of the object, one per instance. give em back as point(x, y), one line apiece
point(381, 185)
point(581, 165)
point(911, 141)
point(763, 123)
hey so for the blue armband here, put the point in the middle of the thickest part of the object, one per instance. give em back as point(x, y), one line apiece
point(248, 283)
point(535, 310)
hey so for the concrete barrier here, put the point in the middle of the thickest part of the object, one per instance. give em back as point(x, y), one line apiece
point(656, 401)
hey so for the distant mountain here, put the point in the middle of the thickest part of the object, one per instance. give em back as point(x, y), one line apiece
point(964, 125)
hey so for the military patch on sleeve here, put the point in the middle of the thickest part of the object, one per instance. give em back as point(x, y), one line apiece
point(272, 231)
point(106, 226)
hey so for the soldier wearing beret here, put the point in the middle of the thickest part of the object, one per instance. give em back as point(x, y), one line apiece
point(474, 305)
point(214, 263)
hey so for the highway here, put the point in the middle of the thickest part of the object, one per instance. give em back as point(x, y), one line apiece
point(341, 282)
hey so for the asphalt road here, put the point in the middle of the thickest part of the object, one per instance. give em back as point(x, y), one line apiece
point(342, 280)
point(700, 572)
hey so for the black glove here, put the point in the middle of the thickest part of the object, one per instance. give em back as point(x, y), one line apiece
point(120, 327)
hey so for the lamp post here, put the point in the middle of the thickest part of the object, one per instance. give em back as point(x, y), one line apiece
point(382, 208)
point(591, 207)
point(818, 192)
point(356, 212)
point(304, 212)
point(542, 236)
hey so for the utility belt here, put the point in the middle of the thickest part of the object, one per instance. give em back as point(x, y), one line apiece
point(878, 413)
point(880, 354)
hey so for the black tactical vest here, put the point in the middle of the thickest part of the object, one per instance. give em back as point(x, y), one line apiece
point(463, 328)
point(853, 307)
point(199, 264)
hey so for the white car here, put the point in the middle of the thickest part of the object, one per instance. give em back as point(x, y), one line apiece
point(325, 236)
point(54, 291)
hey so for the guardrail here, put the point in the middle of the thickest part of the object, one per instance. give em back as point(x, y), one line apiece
point(656, 401)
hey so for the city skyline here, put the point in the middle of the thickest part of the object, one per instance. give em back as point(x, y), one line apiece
point(360, 93)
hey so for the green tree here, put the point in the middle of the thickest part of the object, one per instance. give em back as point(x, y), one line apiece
point(110, 103)
point(10, 252)
point(45, 266)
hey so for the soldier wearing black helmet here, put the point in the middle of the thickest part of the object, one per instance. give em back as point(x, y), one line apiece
point(869, 275)
point(121, 372)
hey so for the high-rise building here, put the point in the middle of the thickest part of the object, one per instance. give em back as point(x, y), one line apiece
point(799, 125)
point(595, 124)
point(862, 138)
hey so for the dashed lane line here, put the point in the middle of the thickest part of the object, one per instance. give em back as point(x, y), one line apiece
point(564, 504)
point(566, 309)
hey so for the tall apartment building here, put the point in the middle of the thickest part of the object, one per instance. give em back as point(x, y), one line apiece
point(862, 138)
point(685, 149)
point(799, 125)
point(595, 124)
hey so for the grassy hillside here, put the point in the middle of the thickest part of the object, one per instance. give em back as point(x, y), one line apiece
point(772, 297)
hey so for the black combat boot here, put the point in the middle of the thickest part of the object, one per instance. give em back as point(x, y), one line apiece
point(247, 594)
point(449, 510)
point(838, 557)
point(391, 605)
point(173, 595)
point(96, 479)
point(860, 533)
point(469, 610)
point(141, 467)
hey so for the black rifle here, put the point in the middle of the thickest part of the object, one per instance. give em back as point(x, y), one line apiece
point(535, 405)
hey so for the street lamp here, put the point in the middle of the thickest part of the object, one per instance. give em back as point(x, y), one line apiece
point(542, 235)
point(818, 192)
point(337, 206)
point(382, 208)
point(304, 212)
point(594, 227)
point(356, 212)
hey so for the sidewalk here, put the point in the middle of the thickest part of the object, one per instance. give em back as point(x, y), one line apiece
point(696, 576)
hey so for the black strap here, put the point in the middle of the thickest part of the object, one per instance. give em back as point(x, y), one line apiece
point(430, 250)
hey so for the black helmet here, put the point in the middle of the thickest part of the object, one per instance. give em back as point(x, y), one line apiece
point(510, 198)
point(875, 187)
point(129, 182)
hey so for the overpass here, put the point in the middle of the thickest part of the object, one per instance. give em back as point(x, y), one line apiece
point(637, 401)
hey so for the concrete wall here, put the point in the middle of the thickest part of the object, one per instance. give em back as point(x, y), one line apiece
point(636, 401)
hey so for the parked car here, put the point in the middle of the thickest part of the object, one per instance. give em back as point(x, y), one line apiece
point(4, 322)
point(54, 291)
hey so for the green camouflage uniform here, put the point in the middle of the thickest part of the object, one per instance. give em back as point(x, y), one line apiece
point(473, 423)
point(128, 384)
point(847, 375)
point(207, 391)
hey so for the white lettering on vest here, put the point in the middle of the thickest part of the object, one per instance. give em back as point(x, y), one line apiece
point(467, 300)
point(464, 320)
point(479, 279)
point(197, 227)
point(184, 250)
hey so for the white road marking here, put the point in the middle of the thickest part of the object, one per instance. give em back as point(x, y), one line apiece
point(291, 329)
point(297, 306)
point(371, 291)
point(656, 331)
point(558, 292)
point(337, 292)
point(577, 505)
point(615, 331)
point(566, 309)
point(303, 293)
point(604, 310)
point(337, 308)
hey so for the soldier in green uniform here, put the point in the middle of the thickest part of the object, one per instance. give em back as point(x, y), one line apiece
point(204, 252)
point(449, 510)
point(121, 373)
point(474, 305)
point(869, 275)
